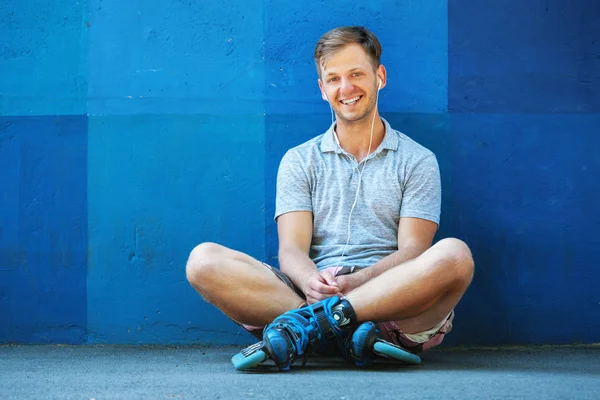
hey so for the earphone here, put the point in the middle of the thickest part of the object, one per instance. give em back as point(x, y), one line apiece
point(360, 172)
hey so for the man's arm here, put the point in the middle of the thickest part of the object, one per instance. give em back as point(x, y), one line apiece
point(295, 236)
point(415, 235)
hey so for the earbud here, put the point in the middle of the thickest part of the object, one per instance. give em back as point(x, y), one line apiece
point(379, 86)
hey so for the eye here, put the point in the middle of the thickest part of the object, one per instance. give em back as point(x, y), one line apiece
point(357, 74)
point(334, 79)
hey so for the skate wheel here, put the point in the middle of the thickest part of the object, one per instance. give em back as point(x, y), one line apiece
point(389, 350)
point(242, 362)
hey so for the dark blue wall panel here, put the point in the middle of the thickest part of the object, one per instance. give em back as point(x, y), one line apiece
point(43, 229)
point(524, 56)
point(525, 199)
point(158, 186)
point(524, 97)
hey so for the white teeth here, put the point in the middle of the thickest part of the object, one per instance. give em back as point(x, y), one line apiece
point(351, 101)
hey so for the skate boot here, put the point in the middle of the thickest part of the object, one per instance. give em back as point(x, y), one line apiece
point(295, 333)
point(367, 344)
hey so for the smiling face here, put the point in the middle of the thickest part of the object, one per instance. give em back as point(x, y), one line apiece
point(349, 81)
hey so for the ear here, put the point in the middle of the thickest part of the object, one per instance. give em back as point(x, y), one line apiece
point(323, 95)
point(382, 75)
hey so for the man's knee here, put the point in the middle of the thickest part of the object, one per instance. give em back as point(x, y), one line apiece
point(458, 254)
point(203, 262)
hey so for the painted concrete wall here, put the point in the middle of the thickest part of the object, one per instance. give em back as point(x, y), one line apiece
point(129, 132)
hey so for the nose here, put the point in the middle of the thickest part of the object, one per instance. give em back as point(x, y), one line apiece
point(346, 86)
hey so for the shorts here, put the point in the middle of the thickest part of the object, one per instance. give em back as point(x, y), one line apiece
point(415, 343)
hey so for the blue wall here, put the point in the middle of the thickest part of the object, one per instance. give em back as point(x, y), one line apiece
point(43, 228)
point(131, 132)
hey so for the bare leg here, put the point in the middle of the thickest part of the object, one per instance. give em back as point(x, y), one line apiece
point(420, 293)
point(240, 286)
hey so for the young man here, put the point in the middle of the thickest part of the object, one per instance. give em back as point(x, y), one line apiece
point(357, 209)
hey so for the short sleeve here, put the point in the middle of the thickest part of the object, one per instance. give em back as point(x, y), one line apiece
point(422, 195)
point(293, 186)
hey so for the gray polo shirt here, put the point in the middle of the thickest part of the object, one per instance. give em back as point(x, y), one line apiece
point(400, 179)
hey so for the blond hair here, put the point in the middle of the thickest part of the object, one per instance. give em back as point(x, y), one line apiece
point(338, 38)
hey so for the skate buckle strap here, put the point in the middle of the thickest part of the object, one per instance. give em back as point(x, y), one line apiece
point(323, 321)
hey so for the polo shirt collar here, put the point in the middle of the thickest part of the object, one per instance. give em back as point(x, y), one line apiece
point(390, 140)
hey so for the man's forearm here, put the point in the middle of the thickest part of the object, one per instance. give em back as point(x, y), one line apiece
point(296, 265)
point(396, 258)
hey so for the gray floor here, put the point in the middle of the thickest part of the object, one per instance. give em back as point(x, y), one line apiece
point(124, 372)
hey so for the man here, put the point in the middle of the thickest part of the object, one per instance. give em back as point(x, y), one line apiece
point(357, 209)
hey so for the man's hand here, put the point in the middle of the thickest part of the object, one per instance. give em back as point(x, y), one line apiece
point(320, 285)
point(349, 282)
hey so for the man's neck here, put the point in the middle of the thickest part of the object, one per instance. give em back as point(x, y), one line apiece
point(356, 137)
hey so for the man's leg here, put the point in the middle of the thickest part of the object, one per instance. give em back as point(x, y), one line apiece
point(240, 286)
point(420, 293)
point(417, 294)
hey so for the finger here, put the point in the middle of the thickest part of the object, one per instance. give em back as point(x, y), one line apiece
point(329, 278)
point(323, 289)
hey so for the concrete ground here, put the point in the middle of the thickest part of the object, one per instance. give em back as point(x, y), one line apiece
point(149, 372)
